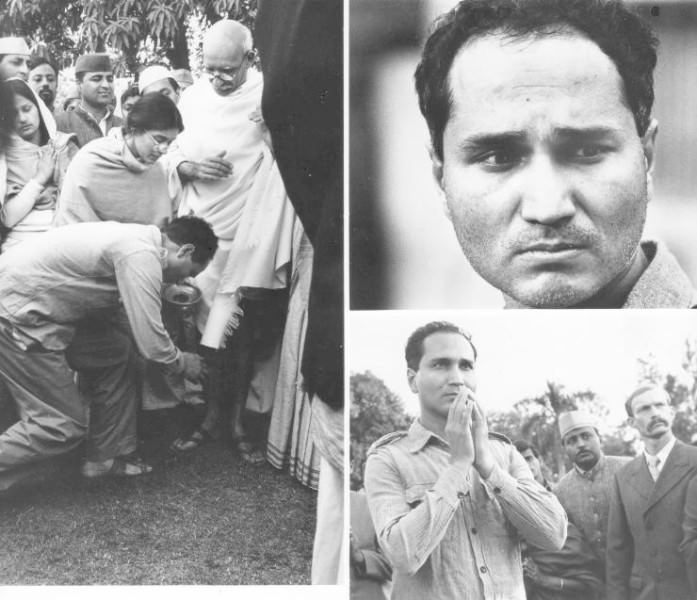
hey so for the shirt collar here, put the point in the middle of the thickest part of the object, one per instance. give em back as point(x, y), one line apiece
point(663, 453)
point(419, 436)
point(593, 471)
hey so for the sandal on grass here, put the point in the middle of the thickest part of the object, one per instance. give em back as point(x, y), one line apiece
point(197, 438)
point(248, 452)
point(120, 466)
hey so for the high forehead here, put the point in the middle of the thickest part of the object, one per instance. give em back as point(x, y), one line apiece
point(493, 75)
point(99, 74)
point(224, 54)
point(43, 69)
point(651, 396)
point(14, 57)
point(160, 84)
point(577, 431)
point(23, 101)
point(447, 344)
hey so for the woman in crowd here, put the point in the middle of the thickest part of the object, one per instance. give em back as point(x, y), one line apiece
point(36, 159)
point(119, 177)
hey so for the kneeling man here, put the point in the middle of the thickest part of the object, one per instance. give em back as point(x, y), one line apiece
point(75, 300)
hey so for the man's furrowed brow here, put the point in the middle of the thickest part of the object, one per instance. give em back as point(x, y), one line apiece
point(492, 139)
point(586, 133)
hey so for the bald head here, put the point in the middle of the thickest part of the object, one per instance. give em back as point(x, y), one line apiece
point(227, 34)
point(227, 54)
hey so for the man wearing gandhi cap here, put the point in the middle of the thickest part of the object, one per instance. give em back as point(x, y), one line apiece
point(14, 58)
point(93, 117)
point(584, 491)
point(157, 78)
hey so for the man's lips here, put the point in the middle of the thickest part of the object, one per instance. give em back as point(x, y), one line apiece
point(551, 247)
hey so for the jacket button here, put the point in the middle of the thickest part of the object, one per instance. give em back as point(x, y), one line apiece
point(483, 569)
point(474, 530)
point(497, 490)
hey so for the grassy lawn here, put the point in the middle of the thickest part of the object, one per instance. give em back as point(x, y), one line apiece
point(205, 518)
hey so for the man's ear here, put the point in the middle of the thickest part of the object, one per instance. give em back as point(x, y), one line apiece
point(185, 250)
point(648, 144)
point(411, 378)
point(630, 421)
point(436, 167)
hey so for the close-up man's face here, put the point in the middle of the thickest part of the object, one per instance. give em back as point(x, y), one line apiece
point(545, 176)
point(97, 88)
point(43, 81)
point(14, 65)
point(652, 415)
point(582, 446)
point(226, 66)
point(445, 370)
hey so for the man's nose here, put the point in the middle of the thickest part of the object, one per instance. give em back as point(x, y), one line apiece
point(546, 195)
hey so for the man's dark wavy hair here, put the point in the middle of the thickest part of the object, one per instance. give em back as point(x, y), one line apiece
point(193, 230)
point(619, 33)
point(414, 349)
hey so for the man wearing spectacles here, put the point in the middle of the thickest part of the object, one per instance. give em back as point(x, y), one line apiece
point(227, 170)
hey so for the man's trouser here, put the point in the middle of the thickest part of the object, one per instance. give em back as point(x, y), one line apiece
point(53, 410)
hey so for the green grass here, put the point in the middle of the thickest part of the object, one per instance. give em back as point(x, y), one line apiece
point(204, 518)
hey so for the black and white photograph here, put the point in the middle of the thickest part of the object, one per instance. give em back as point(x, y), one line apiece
point(171, 295)
point(535, 154)
point(523, 455)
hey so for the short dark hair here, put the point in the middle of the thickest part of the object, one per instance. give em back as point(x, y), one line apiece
point(8, 114)
point(154, 111)
point(617, 31)
point(130, 92)
point(524, 446)
point(37, 61)
point(193, 230)
point(638, 392)
point(414, 349)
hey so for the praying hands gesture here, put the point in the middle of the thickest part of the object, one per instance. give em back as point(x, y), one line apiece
point(467, 434)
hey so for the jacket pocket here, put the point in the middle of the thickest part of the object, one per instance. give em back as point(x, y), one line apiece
point(415, 493)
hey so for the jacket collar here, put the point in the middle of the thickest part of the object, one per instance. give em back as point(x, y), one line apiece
point(663, 284)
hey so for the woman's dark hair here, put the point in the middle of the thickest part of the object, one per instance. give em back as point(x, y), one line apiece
point(154, 111)
point(617, 31)
point(21, 88)
point(8, 113)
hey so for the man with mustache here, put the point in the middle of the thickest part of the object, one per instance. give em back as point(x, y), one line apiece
point(584, 491)
point(43, 79)
point(93, 118)
point(451, 501)
point(653, 499)
point(546, 160)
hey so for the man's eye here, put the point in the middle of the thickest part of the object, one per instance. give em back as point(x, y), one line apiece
point(588, 152)
point(499, 160)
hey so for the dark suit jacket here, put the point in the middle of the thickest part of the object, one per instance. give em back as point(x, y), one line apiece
point(645, 529)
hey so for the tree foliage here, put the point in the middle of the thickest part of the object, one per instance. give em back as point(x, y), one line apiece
point(537, 421)
point(375, 411)
point(127, 27)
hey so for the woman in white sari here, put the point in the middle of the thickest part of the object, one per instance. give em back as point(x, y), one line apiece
point(36, 160)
